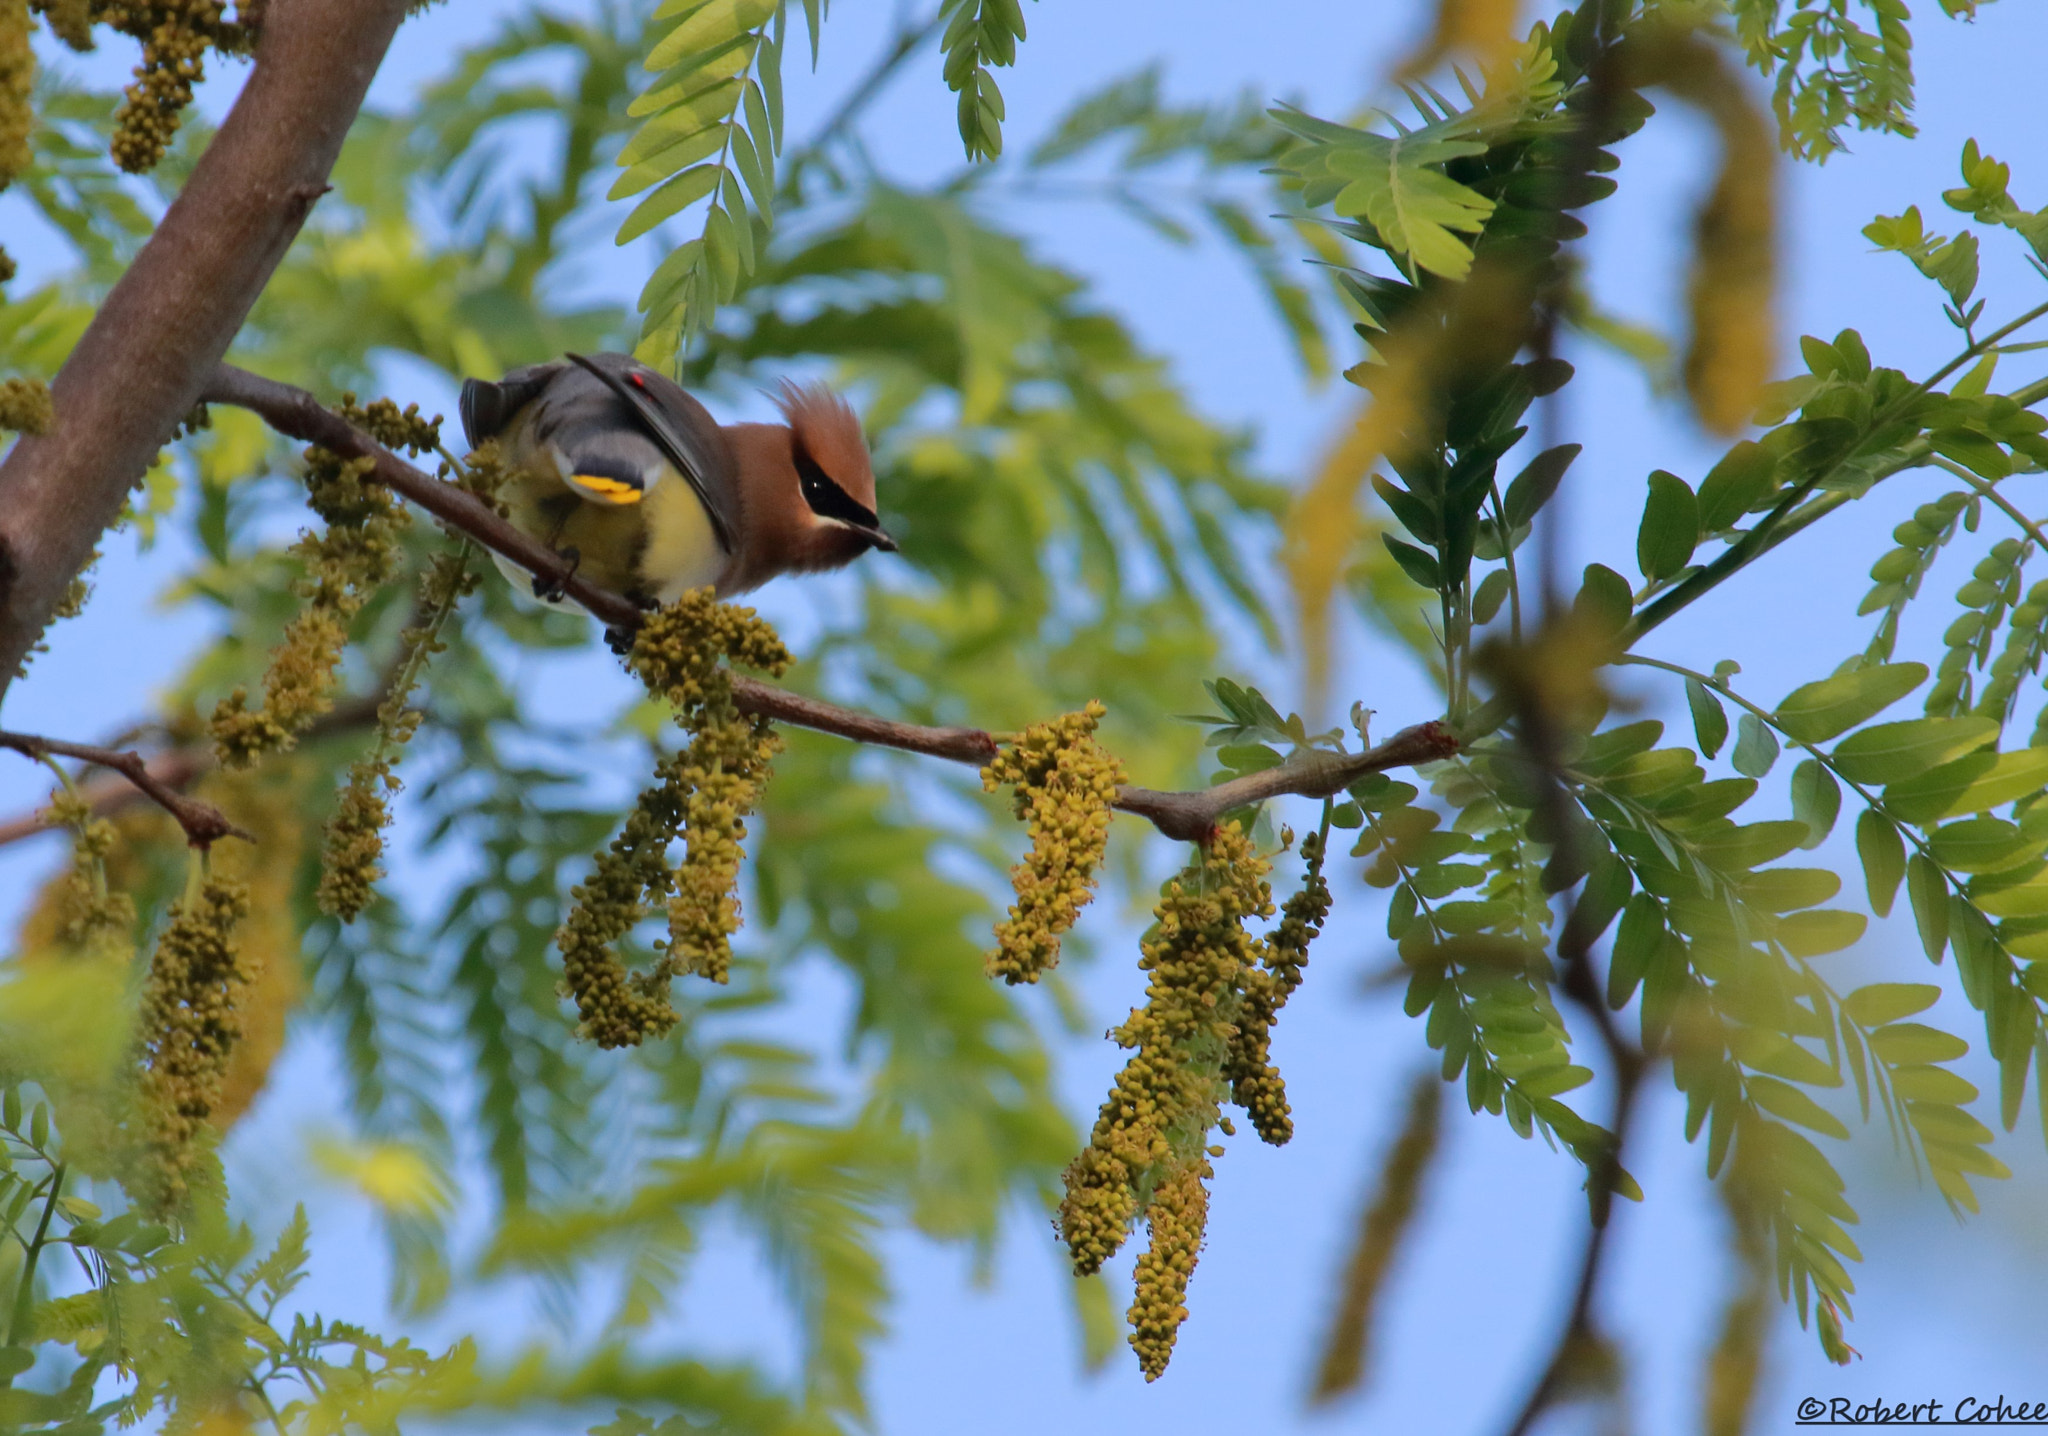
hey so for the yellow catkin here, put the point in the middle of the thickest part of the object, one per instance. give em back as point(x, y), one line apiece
point(1062, 785)
point(1737, 1359)
point(1202, 1037)
point(358, 552)
point(702, 793)
point(176, 36)
point(272, 805)
point(1163, 1103)
point(1255, 1083)
point(92, 917)
point(188, 1028)
point(352, 859)
point(25, 406)
point(1178, 1217)
point(17, 87)
point(69, 20)
point(1347, 1347)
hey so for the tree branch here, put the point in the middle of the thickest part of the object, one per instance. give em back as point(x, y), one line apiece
point(178, 768)
point(140, 365)
point(204, 824)
point(1189, 816)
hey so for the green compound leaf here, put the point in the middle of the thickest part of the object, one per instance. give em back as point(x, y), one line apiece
point(1392, 183)
point(710, 124)
point(979, 34)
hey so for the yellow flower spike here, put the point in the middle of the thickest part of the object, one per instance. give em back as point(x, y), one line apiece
point(704, 794)
point(350, 863)
point(1203, 1036)
point(189, 1023)
point(1063, 783)
point(357, 554)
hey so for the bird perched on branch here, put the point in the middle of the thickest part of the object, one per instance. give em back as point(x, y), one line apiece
point(613, 466)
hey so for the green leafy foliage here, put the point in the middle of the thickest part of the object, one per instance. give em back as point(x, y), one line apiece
point(1071, 528)
point(1834, 65)
point(978, 36)
point(711, 130)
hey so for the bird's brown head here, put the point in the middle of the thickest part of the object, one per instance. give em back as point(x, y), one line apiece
point(809, 488)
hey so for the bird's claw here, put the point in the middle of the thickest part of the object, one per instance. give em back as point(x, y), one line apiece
point(549, 588)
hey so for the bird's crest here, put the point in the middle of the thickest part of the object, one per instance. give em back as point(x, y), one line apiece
point(827, 430)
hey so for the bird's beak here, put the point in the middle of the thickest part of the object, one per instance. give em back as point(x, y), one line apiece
point(876, 537)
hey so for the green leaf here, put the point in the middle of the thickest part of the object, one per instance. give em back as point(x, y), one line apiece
point(1550, 1081)
point(1824, 930)
point(1932, 1084)
point(1636, 944)
point(1882, 1002)
point(1756, 747)
point(1782, 1099)
point(1670, 528)
point(672, 198)
point(717, 23)
point(1895, 752)
point(1969, 785)
point(1899, 1043)
point(1709, 718)
point(1818, 711)
point(1735, 485)
point(1388, 182)
point(1416, 563)
point(1816, 801)
point(1604, 598)
point(1606, 891)
point(1983, 845)
point(1928, 890)
point(1532, 488)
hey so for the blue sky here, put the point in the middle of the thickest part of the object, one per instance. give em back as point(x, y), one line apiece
point(1945, 1308)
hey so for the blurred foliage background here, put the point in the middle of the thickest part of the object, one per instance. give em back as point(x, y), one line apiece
point(1074, 526)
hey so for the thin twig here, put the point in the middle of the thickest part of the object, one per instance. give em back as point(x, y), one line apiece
point(177, 769)
point(203, 823)
point(1188, 816)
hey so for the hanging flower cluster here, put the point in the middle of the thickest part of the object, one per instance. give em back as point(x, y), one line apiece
point(1203, 1036)
point(703, 794)
point(1062, 784)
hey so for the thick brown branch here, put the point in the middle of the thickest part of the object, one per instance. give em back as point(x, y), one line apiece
point(142, 361)
point(1189, 816)
point(204, 824)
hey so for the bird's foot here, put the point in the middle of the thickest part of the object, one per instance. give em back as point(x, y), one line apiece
point(619, 641)
point(549, 588)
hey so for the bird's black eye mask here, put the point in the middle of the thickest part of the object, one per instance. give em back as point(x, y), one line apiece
point(827, 499)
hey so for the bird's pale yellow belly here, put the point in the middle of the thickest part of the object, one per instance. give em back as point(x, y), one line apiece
point(682, 550)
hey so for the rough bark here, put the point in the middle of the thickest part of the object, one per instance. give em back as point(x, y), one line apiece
point(152, 346)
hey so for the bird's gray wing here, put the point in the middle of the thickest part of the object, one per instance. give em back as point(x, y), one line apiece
point(487, 408)
point(684, 431)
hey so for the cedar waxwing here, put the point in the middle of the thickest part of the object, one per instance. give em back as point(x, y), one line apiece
point(615, 467)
